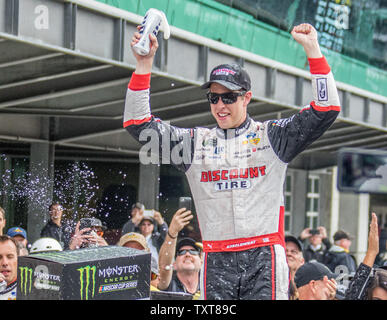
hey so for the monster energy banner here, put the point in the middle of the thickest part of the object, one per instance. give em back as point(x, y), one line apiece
point(86, 274)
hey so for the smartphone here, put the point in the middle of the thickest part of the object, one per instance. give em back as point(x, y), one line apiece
point(85, 223)
point(149, 213)
point(185, 202)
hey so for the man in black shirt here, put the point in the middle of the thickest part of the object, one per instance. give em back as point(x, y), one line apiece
point(54, 227)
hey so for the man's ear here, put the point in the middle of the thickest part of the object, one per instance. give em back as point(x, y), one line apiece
point(247, 98)
point(312, 286)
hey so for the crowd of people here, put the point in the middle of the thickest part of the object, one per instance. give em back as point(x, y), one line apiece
point(319, 269)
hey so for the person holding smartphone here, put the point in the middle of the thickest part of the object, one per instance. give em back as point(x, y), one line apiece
point(180, 259)
point(318, 244)
point(154, 229)
point(236, 171)
point(88, 233)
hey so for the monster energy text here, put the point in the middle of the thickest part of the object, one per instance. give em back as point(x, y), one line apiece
point(46, 276)
point(112, 271)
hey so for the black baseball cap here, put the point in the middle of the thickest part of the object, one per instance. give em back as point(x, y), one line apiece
point(341, 234)
point(92, 222)
point(232, 76)
point(147, 218)
point(298, 243)
point(187, 242)
point(311, 271)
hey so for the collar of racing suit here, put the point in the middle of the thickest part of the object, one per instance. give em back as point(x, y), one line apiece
point(233, 132)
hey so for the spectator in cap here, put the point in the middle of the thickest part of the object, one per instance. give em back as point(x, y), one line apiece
point(155, 274)
point(318, 244)
point(20, 235)
point(2, 220)
point(133, 240)
point(294, 254)
point(135, 218)
point(154, 229)
point(137, 241)
point(150, 224)
point(88, 233)
point(314, 281)
point(295, 260)
point(182, 274)
point(338, 259)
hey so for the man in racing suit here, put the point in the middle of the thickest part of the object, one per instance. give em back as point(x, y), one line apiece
point(236, 171)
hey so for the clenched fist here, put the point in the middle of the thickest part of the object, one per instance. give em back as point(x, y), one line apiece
point(306, 35)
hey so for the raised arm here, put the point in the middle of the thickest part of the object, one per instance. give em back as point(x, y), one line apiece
point(158, 136)
point(358, 287)
point(306, 36)
point(373, 242)
point(167, 251)
point(290, 136)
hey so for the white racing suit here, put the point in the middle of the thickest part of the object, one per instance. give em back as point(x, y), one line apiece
point(236, 178)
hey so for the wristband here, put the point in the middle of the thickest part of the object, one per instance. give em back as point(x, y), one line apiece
point(171, 236)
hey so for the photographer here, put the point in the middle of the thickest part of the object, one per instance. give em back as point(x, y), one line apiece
point(135, 218)
point(180, 259)
point(154, 229)
point(88, 233)
point(318, 245)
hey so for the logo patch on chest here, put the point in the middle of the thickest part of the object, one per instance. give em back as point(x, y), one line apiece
point(232, 185)
point(231, 179)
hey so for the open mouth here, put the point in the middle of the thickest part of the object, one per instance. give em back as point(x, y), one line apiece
point(222, 115)
point(5, 272)
point(188, 260)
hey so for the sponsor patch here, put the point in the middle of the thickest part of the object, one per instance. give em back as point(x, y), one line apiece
point(252, 138)
point(223, 71)
point(322, 89)
point(232, 185)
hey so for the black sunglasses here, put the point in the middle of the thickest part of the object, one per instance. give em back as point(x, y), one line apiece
point(191, 251)
point(227, 98)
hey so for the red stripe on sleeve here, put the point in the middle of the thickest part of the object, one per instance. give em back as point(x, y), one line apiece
point(324, 109)
point(319, 65)
point(136, 122)
point(139, 81)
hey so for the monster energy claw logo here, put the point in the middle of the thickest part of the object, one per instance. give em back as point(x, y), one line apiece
point(25, 279)
point(85, 273)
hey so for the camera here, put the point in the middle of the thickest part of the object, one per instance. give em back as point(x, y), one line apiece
point(314, 231)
